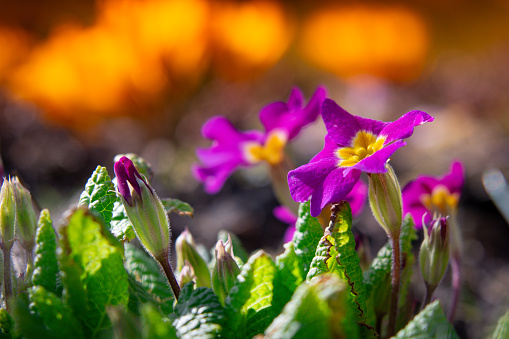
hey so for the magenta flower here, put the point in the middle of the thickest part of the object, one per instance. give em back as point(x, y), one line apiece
point(357, 199)
point(426, 195)
point(352, 145)
point(232, 149)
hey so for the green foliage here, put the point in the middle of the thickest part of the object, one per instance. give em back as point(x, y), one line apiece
point(249, 305)
point(146, 282)
point(45, 263)
point(154, 325)
point(99, 195)
point(199, 313)
point(6, 324)
point(121, 227)
point(502, 329)
point(308, 233)
point(429, 323)
point(178, 207)
point(336, 254)
point(92, 270)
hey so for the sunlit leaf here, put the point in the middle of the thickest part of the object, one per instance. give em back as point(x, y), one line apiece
point(308, 233)
point(99, 194)
point(178, 207)
point(45, 262)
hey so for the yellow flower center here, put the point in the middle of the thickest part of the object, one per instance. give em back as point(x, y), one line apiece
point(364, 145)
point(271, 151)
point(440, 200)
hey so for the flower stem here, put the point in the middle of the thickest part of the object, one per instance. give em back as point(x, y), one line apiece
point(456, 285)
point(165, 264)
point(396, 277)
point(427, 296)
point(7, 275)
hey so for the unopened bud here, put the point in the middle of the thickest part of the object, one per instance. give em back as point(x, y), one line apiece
point(7, 214)
point(144, 208)
point(186, 274)
point(385, 201)
point(186, 250)
point(225, 270)
point(26, 218)
point(434, 254)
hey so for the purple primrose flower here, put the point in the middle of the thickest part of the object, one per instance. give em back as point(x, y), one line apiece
point(357, 199)
point(127, 173)
point(352, 145)
point(232, 149)
point(427, 195)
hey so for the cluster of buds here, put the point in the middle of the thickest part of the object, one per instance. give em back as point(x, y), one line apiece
point(225, 270)
point(434, 253)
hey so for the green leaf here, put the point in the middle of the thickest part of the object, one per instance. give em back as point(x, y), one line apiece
point(502, 329)
point(429, 323)
point(6, 324)
point(288, 277)
point(178, 207)
point(27, 324)
point(249, 304)
point(45, 262)
point(92, 268)
point(199, 313)
point(99, 195)
point(308, 233)
point(148, 283)
point(154, 325)
point(316, 310)
point(336, 254)
point(125, 324)
point(55, 314)
point(238, 249)
point(121, 226)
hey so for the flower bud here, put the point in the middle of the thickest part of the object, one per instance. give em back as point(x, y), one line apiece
point(7, 214)
point(186, 250)
point(434, 254)
point(385, 201)
point(26, 218)
point(144, 209)
point(186, 274)
point(225, 270)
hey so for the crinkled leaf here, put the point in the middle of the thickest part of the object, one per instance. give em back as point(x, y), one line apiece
point(178, 207)
point(238, 249)
point(45, 262)
point(99, 195)
point(502, 329)
point(154, 325)
point(92, 268)
point(249, 304)
point(288, 277)
point(336, 254)
point(308, 233)
point(429, 323)
point(199, 313)
point(317, 310)
point(121, 226)
point(56, 315)
point(28, 324)
point(147, 281)
point(6, 324)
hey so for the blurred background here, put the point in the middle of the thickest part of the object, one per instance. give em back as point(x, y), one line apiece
point(84, 80)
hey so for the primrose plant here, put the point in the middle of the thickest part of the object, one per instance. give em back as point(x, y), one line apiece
point(104, 272)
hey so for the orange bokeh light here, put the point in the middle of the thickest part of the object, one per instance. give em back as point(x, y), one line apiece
point(386, 41)
point(248, 36)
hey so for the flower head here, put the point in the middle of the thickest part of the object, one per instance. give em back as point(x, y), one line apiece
point(232, 149)
point(356, 198)
point(352, 145)
point(427, 195)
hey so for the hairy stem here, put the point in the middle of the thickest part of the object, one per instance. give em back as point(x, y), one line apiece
point(456, 285)
point(7, 275)
point(165, 264)
point(396, 277)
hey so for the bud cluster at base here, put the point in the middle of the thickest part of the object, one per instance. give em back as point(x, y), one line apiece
point(225, 270)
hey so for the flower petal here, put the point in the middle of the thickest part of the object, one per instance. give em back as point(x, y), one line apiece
point(328, 151)
point(375, 163)
point(323, 181)
point(404, 126)
point(342, 127)
point(291, 117)
point(455, 179)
